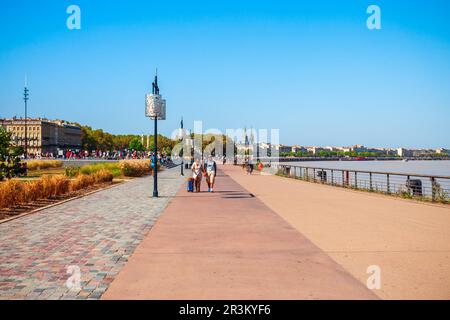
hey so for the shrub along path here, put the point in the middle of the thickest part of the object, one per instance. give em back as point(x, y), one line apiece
point(96, 233)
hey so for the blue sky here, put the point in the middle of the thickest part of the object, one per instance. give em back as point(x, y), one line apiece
point(312, 69)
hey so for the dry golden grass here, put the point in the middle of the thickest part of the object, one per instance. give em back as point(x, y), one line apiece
point(62, 184)
point(49, 187)
point(11, 192)
point(43, 164)
point(103, 176)
point(14, 192)
point(135, 168)
point(82, 181)
point(33, 190)
point(86, 180)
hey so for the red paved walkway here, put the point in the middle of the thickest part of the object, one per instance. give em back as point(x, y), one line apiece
point(229, 245)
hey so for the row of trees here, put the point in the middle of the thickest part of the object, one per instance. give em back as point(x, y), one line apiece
point(97, 139)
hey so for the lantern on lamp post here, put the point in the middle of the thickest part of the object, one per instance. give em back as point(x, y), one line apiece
point(155, 109)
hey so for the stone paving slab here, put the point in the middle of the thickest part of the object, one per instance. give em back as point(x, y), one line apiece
point(229, 245)
point(96, 233)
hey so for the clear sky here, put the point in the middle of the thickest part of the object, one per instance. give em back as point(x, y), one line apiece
point(311, 68)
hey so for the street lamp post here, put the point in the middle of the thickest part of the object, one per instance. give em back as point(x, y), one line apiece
point(182, 147)
point(155, 108)
point(155, 160)
point(25, 99)
point(191, 148)
point(155, 91)
point(201, 146)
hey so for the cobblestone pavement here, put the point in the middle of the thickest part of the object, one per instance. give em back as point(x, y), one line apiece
point(96, 234)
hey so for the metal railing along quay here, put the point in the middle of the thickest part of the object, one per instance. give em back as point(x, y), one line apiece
point(434, 188)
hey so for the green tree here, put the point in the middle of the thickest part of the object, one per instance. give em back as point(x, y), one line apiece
point(165, 144)
point(121, 142)
point(9, 156)
point(136, 145)
point(104, 141)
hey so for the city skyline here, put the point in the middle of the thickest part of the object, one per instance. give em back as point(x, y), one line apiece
point(248, 133)
point(312, 70)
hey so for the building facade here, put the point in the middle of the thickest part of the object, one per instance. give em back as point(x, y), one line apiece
point(44, 136)
point(442, 151)
point(284, 149)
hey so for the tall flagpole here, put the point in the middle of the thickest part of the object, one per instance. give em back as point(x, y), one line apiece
point(25, 99)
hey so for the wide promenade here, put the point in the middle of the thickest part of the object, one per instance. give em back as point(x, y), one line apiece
point(230, 245)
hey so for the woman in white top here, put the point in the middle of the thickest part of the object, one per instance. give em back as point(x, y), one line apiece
point(197, 174)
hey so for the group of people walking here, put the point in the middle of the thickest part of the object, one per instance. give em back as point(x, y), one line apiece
point(208, 169)
point(202, 169)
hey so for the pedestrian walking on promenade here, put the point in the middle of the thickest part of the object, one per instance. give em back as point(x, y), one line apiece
point(250, 166)
point(211, 171)
point(245, 164)
point(197, 171)
point(260, 166)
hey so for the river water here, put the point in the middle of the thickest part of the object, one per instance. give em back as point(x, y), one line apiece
point(430, 167)
point(380, 182)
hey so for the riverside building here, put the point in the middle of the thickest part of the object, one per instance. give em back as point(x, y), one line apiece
point(44, 136)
